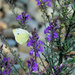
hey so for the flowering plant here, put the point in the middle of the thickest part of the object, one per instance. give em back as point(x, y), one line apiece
point(58, 45)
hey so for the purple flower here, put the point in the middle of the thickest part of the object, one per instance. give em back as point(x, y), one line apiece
point(40, 49)
point(31, 52)
point(23, 17)
point(38, 2)
point(4, 72)
point(18, 17)
point(49, 4)
point(29, 43)
point(34, 68)
point(54, 74)
point(55, 35)
point(46, 30)
point(32, 65)
point(1, 46)
point(58, 69)
point(56, 28)
point(28, 17)
point(36, 54)
point(65, 34)
point(0, 71)
point(48, 37)
point(7, 66)
point(40, 42)
point(29, 63)
point(54, 69)
point(44, 2)
point(51, 31)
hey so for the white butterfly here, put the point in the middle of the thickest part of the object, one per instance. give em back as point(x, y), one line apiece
point(21, 35)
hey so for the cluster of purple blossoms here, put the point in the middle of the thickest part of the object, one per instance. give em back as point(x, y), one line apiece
point(6, 65)
point(32, 65)
point(58, 69)
point(51, 31)
point(35, 43)
point(36, 48)
point(44, 2)
point(23, 17)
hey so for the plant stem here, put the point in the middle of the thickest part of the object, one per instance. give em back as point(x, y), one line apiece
point(60, 58)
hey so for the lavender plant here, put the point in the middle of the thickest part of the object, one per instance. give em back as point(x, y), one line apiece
point(58, 51)
point(5, 65)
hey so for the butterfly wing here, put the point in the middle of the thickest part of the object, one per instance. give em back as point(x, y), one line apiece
point(22, 38)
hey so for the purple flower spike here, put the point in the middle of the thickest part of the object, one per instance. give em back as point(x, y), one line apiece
point(35, 43)
point(23, 17)
point(7, 66)
point(32, 65)
point(44, 2)
point(50, 31)
point(58, 69)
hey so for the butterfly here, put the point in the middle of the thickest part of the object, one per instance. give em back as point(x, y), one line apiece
point(21, 35)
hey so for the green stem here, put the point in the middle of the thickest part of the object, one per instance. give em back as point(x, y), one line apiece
point(60, 58)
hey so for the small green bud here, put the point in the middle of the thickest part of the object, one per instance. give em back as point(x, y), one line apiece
point(20, 60)
point(73, 38)
point(62, 25)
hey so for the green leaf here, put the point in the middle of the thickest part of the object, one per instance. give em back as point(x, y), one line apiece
point(73, 21)
point(56, 54)
point(71, 60)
